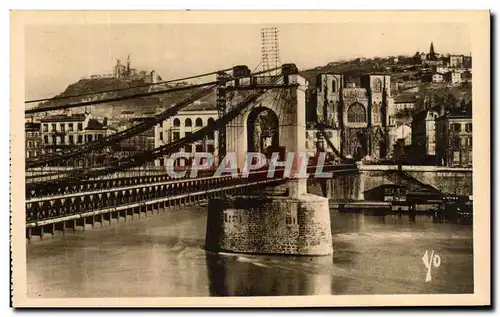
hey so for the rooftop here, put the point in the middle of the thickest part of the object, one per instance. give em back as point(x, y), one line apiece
point(64, 118)
point(458, 113)
point(200, 106)
point(31, 126)
point(405, 98)
point(94, 125)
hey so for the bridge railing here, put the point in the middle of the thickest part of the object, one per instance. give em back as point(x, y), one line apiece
point(52, 207)
point(95, 196)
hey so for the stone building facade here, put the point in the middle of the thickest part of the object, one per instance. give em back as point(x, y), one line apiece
point(60, 133)
point(33, 139)
point(423, 131)
point(454, 144)
point(189, 120)
point(359, 111)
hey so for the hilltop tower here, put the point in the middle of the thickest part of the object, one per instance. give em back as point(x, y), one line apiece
point(432, 54)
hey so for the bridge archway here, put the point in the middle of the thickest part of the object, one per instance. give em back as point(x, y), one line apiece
point(357, 145)
point(286, 106)
point(262, 131)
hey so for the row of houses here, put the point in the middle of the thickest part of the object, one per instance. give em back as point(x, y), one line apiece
point(440, 137)
point(63, 132)
point(452, 77)
point(59, 133)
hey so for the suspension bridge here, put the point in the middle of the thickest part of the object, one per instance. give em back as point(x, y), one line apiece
point(62, 195)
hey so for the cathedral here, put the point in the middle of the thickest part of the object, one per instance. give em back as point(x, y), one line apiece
point(356, 112)
point(127, 73)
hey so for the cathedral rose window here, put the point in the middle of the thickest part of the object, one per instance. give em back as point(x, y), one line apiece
point(356, 113)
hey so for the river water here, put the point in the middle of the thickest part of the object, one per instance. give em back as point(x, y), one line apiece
point(163, 255)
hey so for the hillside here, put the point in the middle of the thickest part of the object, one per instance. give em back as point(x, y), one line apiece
point(405, 70)
point(140, 106)
point(351, 68)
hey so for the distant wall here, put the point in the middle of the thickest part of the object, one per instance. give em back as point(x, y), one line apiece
point(450, 182)
point(351, 186)
point(455, 181)
point(342, 187)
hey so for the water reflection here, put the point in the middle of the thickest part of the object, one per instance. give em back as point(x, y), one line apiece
point(247, 275)
point(164, 256)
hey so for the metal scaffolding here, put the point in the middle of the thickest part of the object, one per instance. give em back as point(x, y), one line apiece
point(270, 49)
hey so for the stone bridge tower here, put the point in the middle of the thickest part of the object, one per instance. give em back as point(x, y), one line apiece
point(287, 105)
point(297, 223)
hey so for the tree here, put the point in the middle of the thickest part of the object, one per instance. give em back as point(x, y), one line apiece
point(416, 57)
point(450, 100)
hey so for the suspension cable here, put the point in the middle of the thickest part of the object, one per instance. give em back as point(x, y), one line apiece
point(126, 133)
point(151, 155)
point(121, 98)
point(117, 137)
point(128, 88)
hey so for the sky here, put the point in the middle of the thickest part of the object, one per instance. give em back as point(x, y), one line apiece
point(58, 55)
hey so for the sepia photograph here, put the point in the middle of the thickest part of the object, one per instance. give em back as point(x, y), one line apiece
point(234, 158)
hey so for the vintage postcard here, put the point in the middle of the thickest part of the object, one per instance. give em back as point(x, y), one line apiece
point(250, 159)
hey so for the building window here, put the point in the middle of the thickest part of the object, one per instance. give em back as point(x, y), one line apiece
point(465, 141)
point(45, 128)
point(377, 85)
point(46, 139)
point(211, 133)
point(62, 139)
point(90, 137)
point(456, 157)
point(334, 85)
point(188, 122)
point(54, 140)
point(29, 144)
point(100, 136)
point(177, 122)
point(210, 148)
point(188, 148)
point(187, 133)
point(198, 122)
point(61, 125)
point(177, 136)
point(199, 148)
point(162, 161)
point(356, 113)
point(71, 140)
point(468, 127)
point(80, 139)
point(456, 127)
point(80, 126)
point(70, 127)
point(376, 113)
point(161, 136)
point(54, 127)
